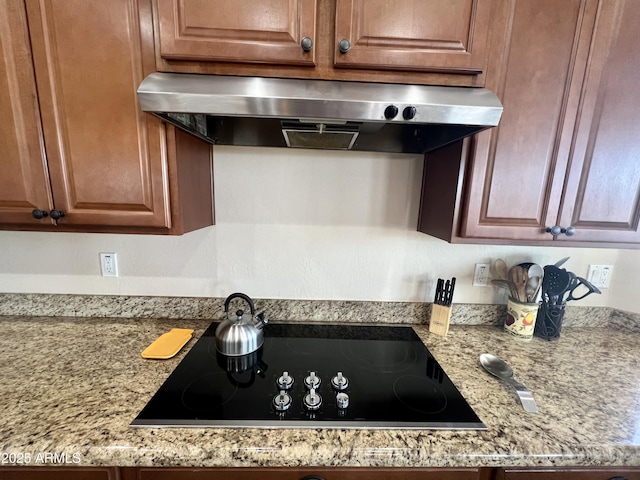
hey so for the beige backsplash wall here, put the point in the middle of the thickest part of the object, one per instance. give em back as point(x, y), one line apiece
point(295, 224)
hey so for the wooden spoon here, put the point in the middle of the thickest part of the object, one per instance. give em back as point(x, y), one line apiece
point(519, 277)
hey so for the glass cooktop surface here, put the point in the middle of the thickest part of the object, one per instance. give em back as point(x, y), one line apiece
point(313, 376)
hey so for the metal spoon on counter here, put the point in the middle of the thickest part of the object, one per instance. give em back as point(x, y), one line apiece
point(501, 369)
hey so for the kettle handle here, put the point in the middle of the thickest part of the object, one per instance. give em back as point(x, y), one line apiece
point(242, 296)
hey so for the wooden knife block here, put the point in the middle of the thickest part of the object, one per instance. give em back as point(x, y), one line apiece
point(440, 316)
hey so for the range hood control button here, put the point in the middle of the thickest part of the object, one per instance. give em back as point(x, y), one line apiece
point(285, 381)
point(342, 400)
point(312, 400)
point(340, 382)
point(409, 112)
point(312, 381)
point(282, 401)
point(390, 112)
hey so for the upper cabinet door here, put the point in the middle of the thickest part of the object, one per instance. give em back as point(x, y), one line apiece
point(24, 182)
point(248, 31)
point(516, 180)
point(602, 199)
point(106, 158)
point(420, 35)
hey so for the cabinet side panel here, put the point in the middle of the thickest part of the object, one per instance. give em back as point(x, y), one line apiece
point(191, 173)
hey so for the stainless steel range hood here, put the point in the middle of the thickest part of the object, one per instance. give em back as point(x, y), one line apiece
point(228, 110)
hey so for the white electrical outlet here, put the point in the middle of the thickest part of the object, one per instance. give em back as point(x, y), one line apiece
point(481, 275)
point(600, 275)
point(109, 264)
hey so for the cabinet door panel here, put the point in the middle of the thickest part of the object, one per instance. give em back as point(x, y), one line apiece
point(427, 35)
point(24, 183)
point(603, 188)
point(251, 31)
point(518, 170)
point(107, 159)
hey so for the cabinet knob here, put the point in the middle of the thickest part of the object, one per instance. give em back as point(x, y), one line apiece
point(312, 477)
point(39, 214)
point(307, 44)
point(618, 478)
point(56, 214)
point(557, 230)
point(344, 46)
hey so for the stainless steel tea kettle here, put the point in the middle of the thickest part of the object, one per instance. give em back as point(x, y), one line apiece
point(240, 334)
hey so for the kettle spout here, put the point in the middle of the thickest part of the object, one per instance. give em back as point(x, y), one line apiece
point(261, 321)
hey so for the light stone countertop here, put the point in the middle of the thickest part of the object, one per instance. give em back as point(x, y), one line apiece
point(73, 385)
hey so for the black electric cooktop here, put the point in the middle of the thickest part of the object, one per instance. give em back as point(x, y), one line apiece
point(370, 377)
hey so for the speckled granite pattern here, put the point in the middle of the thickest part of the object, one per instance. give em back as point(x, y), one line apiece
point(73, 385)
point(281, 310)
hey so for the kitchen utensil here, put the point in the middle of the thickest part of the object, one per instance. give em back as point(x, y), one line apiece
point(501, 269)
point(507, 284)
point(555, 283)
point(441, 308)
point(535, 273)
point(168, 344)
point(501, 369)
point(519, 277)
point(242, 334)
point(561, 262)
point(576, 283)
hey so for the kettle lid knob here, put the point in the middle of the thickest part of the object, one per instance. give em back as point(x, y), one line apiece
point(240, 313)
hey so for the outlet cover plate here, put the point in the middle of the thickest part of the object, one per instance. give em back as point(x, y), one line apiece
point(109, 264)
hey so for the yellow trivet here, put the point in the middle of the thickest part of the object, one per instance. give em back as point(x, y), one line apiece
point(168, 344)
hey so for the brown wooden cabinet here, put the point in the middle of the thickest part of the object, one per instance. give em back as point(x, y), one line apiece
point(568, 473)
point(602, 186)
point(439, 42)
point(24, 182)
point(251, 31)
point(564, 153)
point(319, 473)
point(58, 473)
point(418, 35)
point(82, 146)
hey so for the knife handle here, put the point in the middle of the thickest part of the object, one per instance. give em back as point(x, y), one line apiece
point(439, 293)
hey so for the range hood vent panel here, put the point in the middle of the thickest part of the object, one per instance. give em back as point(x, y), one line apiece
point(231, 110)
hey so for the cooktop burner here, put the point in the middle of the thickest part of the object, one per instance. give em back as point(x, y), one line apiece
point(312, 376)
